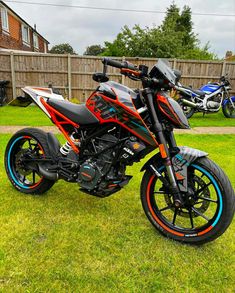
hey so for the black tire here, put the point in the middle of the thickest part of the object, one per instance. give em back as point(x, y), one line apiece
point(228, 110)
point(188, 111)
point(17, 175)
point(223, 208)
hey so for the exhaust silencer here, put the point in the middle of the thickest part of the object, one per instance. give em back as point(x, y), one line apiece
point(48, 175)
point(188, 103)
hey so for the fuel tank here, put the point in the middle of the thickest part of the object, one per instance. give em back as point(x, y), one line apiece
point(113, 103)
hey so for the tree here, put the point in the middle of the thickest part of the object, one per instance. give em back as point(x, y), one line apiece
point(94, 50)
point(174, 38)
point(62, 49)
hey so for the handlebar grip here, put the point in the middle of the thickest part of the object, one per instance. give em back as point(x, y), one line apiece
point(118, 64)
point(112, 62)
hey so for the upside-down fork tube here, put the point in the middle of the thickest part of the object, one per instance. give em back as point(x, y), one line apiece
point(157, 128)
point(65, 121)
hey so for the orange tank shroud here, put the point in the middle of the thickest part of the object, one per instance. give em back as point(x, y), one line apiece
point(119, 109)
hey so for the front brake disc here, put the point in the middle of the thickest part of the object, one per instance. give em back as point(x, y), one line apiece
point(202, 205)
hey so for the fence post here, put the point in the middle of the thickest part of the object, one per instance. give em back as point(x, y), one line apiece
point(123, 76)
point(223, 68)
point(69, 77)
point(13, 77)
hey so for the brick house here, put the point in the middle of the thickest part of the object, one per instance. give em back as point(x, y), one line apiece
point(17, 34)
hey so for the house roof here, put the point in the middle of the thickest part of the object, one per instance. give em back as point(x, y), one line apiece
point(33, 29)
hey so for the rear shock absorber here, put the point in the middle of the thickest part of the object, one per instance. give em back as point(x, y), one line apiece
point(66, 148)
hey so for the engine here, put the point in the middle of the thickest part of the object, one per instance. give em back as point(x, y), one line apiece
point(104, 172)
point(215, 102)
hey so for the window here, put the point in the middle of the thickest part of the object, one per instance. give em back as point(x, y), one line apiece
point(35, 41)
point(4, 16)
point(25, 34)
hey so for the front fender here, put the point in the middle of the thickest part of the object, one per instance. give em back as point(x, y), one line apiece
point(181, 161)
point(225, 101)
point(185, 156)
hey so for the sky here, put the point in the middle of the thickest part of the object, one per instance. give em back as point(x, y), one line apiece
point(83, 27)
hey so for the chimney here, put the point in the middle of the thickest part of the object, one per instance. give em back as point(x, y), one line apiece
point(228, 54)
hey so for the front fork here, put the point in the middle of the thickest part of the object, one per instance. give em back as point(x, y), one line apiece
point(164, 151)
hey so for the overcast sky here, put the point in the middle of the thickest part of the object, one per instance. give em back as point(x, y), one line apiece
point(82, 27)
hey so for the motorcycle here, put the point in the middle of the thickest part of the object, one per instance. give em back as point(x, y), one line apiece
point(185, 195)
point(208, 99)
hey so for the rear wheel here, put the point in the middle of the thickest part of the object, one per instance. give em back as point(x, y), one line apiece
point(28, 142)
point(229, 109)
point(188, 111)
point(208, 209)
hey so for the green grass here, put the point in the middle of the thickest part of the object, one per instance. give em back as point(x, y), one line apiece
point(33, 116)
point(29, 116)
point(66, 241)
point(213, 120)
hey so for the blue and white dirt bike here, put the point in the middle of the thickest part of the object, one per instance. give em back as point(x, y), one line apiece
point(208, 99)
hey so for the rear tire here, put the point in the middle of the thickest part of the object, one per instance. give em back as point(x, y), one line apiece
point(188, 111)
point(30, 140)
point(222, 210)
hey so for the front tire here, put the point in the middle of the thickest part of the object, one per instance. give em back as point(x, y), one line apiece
point(207, 214)
point(228, 110)
point(28, 141)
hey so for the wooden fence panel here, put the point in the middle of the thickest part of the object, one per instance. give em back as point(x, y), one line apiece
point(72, 75)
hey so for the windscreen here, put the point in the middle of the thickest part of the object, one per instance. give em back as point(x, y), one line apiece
point(162, 68)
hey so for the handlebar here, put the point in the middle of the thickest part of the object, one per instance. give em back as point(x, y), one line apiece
point(135, 73)
point(117, 64)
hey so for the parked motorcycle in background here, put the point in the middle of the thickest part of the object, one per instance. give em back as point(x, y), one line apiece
point(209, 99)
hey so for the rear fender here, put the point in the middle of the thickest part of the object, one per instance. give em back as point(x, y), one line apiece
point(184, 158)
point(53, 146)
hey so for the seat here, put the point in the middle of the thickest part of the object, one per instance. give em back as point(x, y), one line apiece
point(196, 92)
point(77, 113)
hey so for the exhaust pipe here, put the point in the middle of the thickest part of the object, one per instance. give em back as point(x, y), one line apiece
point(188, 103)
point(48, 175)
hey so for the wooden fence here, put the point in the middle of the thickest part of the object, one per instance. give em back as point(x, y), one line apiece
point(72, 75)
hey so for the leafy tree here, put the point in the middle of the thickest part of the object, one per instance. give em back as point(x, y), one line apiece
point(62, 49)
point(174, 38)
point(200, 53)
point(94, 50)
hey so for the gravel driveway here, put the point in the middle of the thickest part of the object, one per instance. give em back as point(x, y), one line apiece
point(196, 130)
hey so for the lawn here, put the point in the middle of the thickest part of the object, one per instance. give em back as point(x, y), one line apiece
point(34, 116)
point(31, 115)
point(66, 241)
point(215, 120)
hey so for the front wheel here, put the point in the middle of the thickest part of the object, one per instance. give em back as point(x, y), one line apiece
point(208, 206)
point(229, 108)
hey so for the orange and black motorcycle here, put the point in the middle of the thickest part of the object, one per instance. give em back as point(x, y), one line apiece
point(184, 194)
